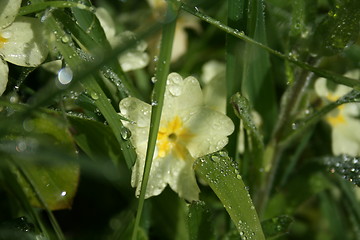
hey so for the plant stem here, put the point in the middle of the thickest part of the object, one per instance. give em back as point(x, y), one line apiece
point(162, 72)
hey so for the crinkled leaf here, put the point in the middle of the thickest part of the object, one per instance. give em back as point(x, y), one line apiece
point(47, 179)
point(220, 172)
point(276, 226)
point(346, 166)
point(339, 29)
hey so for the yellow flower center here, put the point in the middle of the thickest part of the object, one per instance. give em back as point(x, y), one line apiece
point(2, 41)
point(173, 138)
point(336, 117)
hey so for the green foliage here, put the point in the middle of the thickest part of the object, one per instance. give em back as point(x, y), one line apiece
point(66, 158)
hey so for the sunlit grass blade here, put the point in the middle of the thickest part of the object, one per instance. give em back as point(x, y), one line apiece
point(220, 172)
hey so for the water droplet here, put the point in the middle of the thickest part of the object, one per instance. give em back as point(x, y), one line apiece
point(215, 158)
point(238, 176)
point(125, 133)
point(65, 39)
point(6, 34)
point(65, 75)
point(153, 79)
point(94, 95)
point(175, 90)
point(63, 193)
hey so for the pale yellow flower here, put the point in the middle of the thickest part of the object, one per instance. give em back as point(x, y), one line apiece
point(131, 59)
point(344, 120)
point(21, 40)
point(188, 130)
point(184, 21)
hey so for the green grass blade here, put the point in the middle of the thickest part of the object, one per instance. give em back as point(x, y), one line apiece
point(161, 74)
point(221, 174)
point(337, 78)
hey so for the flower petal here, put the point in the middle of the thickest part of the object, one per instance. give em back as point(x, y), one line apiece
point(4, 71)
point(210, 130)
point(139, 112)
point(106, 22)
point(8, 11)
point(345, 140)
point(158, 179)
point(182, 178)
point(135, 57)
point(25, 46)
point(182, 97)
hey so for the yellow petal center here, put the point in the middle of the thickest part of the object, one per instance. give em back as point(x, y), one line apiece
point(336, 117)
point(2, 41)
point(172, 138)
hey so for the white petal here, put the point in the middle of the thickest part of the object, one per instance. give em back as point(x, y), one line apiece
point(134, 58)
point(211, 69)
point(106, 22)
point(210, 130)
point(25, 46)
point(182, 179)
point(139, 112)
point(215, 93)
point(180, 43)
point(4, 71)
point(8, 11)
point(321, 88)
point(158, 179)
point(346, 138)
point(183, 97)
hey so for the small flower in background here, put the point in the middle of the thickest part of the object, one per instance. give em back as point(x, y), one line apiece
point(21, 40)
point(213, 78)
point(188, 130)
point(131, 59)
point(344, 120)
point(184, 21)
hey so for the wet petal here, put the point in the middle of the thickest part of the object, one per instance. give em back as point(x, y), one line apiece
point(4, 71)
point(182, 179)
point(210, 130)
point(8, 11)
point(25, 46)
point(106, 22)
point(134, 58)
point(183, 97)
point(345, 140)
point(139, 113)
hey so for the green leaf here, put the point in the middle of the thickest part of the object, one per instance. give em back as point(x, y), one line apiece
point(276, 226)
point(258, 85)
point(220, 172)
point(199, 224)
point(53, 181)
point(339, 29)
point(346, 166)
point(96, 139)
point(18, 228)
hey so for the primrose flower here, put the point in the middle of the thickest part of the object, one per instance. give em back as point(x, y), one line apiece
point(131, 59)
point(188, 130)
point(21, 40)
point(184, 21)
point(344, 120)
